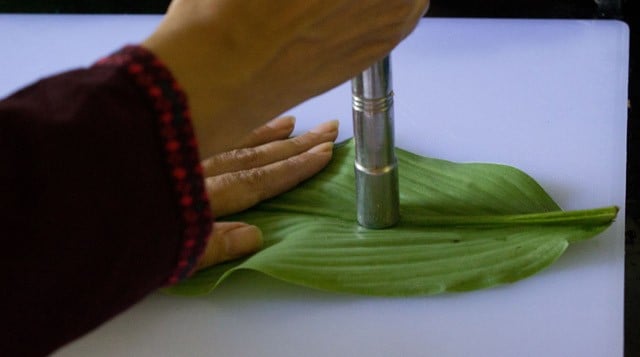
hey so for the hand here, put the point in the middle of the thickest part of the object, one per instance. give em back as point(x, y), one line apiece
point(266, 164)
point(251, 60)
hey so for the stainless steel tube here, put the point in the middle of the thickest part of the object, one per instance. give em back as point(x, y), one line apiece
point(376, 168)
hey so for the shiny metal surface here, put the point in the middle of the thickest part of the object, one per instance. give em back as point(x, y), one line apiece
point(376, 168)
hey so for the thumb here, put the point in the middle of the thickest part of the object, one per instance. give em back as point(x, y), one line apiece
point(230, 240)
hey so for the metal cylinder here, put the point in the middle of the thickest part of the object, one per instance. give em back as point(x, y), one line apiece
point(376, 168)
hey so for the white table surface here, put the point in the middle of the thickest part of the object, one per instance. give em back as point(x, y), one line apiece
point(547, 96)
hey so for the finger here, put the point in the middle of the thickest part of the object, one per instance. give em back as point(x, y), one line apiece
point(277, 129)
point(228, 241)
point(250, 158)
point(236, 191)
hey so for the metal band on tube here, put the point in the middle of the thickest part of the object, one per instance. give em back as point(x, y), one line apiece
point(376, 168)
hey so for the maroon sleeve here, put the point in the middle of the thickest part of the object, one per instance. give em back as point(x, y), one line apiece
point(102, 199)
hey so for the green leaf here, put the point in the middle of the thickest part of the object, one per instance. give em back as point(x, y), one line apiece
point(463, 227)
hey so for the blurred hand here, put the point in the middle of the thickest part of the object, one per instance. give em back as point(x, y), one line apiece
point(266, 163)
point(251, 60)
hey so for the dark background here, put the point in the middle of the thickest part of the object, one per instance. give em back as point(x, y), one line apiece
point(570, 9)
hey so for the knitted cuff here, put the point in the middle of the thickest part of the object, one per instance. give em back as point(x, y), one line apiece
point(180, 149)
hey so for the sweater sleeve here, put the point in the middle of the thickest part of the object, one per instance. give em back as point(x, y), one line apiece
point(102, 198)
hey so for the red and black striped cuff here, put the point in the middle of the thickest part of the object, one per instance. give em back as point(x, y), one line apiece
point(179, 145)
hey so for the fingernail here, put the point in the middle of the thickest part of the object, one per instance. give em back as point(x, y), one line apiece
point(322, 148)
point(326, 127)
point(242, 241)
point(282, 122)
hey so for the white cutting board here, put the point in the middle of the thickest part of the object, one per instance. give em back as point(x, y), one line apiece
point(546, 96)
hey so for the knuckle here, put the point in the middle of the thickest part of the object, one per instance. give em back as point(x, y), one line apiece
point(297, 161)
point(299, 141)
point(249, 156)
point(256, 177)
point(256, 181)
